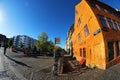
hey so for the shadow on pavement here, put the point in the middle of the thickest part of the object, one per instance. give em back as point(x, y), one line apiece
point(18, 62)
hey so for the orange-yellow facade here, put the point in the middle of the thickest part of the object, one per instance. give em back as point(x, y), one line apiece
point(94, 37)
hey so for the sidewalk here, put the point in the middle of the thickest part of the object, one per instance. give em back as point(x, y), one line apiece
point(7, 71)
point(3, 72)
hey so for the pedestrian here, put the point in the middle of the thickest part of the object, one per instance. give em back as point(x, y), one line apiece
point(5, 47)
point(0, 45)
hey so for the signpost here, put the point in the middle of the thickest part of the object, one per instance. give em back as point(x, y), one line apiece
point(55, 66)
point(57, 40)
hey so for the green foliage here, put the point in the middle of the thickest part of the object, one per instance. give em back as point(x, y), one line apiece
point(10, 42)
point(43, 44)
point(21, 44)
point(57, 48)
point(43, 37)
point(38, 45)
point(94, 67)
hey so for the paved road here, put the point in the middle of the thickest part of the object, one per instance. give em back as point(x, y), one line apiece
point(32, 68)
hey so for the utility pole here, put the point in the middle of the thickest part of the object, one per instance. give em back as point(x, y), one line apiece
point(56, 58)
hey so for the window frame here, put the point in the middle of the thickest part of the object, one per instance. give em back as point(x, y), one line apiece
point(116, 25)
point(81, 52)
point(93, 5)
point(79, 37)
point(79, 21)
point(110, 22)
point(84, 52)
point(118, 48)
point(103, 22)
point(86, 30)
point(110, 55)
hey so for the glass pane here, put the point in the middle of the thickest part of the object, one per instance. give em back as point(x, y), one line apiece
point(79, 37)
point(103, 21)
point(110, 23)
point(110, 51)
point(86, 30)
point(94, 5)
point(79, 21)
point(84, 52)
point(80, 52)
point(118, 47)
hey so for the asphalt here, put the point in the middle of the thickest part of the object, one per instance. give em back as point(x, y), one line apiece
point(10, 71)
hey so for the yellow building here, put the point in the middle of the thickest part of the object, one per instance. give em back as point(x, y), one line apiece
point(96, 35)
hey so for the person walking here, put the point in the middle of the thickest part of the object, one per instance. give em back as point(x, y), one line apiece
point(5, 47)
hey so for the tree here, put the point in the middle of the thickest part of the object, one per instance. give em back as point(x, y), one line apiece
point(10, 42)
point(43, 44)
point(21, 44)
point(57, 48)
point(38, 45)
point(43, 38)
point(50, 46)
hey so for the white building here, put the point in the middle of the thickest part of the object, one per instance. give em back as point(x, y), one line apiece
point(26, 40)
point(68, 46)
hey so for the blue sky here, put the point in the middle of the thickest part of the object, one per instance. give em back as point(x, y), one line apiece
point(31, 17)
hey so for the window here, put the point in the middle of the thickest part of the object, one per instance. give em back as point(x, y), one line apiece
point(81, 52)
point(116, 25)
point(109, 11)
point(94, 5)
point(79, 21)
point(118, 16)
point(110, 23)
point(105, 10)
point(110, 51)
point(119, 24)
point(102, 8)
point(76, 13)
point(79, 37)
point(86, 30)
point(103, 21)
point(84, 52)
point(118, 47)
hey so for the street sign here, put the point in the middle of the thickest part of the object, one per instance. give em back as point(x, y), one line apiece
point(57, 40)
